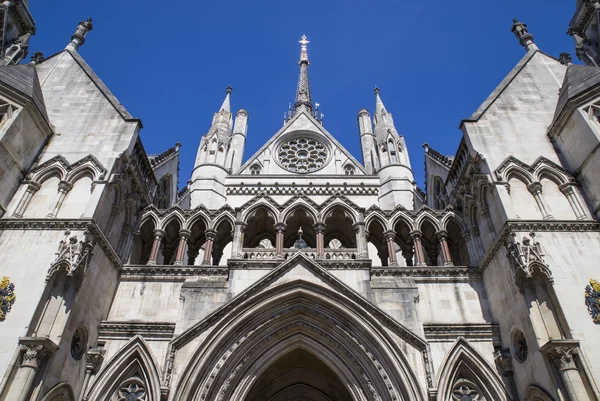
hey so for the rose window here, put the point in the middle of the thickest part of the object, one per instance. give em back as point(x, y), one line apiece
point(302, 155)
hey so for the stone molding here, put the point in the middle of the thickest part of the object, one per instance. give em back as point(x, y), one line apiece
point(351, 190)
point(334, 264)
point(67, 170)
point(449, 332)
point(512, 226)
point(428, 272)
point(128, 329)
point(169, 272)
point(63, 225)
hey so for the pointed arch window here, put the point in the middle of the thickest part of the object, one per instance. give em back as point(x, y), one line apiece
point(392, 151)
point(439, 193)
point(162, 199)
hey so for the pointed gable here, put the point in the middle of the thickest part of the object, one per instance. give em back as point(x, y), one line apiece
point(302, 124)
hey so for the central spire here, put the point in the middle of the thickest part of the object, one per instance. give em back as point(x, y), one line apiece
point(303, 98)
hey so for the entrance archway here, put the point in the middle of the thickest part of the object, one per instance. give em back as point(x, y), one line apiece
point(271, 335)
point(298, 375)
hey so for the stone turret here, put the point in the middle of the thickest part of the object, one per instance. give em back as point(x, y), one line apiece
point(367, 142)
point(392, 159)
point(220, 153)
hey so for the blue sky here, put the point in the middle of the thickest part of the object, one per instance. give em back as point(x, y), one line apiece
point(170, 62)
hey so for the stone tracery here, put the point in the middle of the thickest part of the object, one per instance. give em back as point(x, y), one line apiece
point(302, 155)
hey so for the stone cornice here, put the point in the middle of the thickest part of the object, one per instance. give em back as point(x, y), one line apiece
point(62, 225)
point(428, 273)
point(471, 331)
point(337, 264)
point(170, 272)
point(537, 226)
point(128, 329)
point(308, 190)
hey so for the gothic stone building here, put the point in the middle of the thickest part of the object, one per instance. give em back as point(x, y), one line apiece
point(301, 273)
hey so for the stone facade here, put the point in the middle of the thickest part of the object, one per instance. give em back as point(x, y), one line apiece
point(301, 273)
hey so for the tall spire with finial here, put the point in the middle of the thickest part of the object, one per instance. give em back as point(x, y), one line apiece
point(303, 98)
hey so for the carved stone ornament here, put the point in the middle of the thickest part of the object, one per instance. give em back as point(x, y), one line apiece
point(519, 346)
point(94, 359)
point(73, 256)
point(504, 362)
point(525, 257)
point(7, 297)
point(36, 350)
point(592, 299)
point(79, 343)
point(132, 392)
point(302, 155)
point(466, 391)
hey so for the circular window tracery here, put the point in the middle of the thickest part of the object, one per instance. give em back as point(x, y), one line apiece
point(519, 345)
point(302, 155)
point(79, 343)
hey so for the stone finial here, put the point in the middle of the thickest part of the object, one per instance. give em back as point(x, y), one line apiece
point(78, 38)
point(525, 38)
point(37, 58)
point(565, 59)
point(228, 90)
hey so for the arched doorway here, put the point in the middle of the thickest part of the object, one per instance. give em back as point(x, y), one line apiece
point(299, 375)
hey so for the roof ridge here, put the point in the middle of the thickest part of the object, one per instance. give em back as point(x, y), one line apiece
point(161, 157)
point(434, 154)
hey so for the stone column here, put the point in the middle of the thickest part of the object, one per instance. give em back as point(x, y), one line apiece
point(94, 359)
point(126, 233)
point(116, 210)
point(535, 188)
point(280, 231)
point(390, 236)
point(158, 236)
point(478, 245)
point(361, 240)
point(419, 253)
point(238, 239)
point(63, 189)
point(320, 232)
point(35, 352)
point(442, 237)
point(211, 235)
point(184, 235)
point(569, 192)
point(562, 353)
point(408, 256)
point(485, 213)
point(32, 188)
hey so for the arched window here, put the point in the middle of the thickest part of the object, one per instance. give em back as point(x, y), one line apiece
point(255, 169)
point(349, 169)
point(392, 150)
point(439, 193)
point(162, 199)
